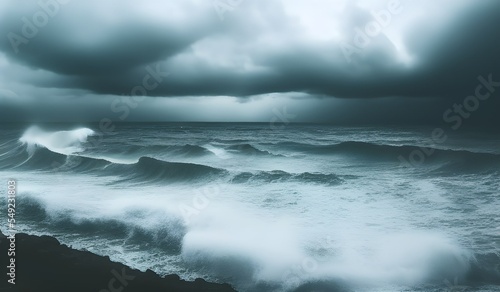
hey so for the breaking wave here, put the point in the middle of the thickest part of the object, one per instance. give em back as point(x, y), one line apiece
point(64, 142)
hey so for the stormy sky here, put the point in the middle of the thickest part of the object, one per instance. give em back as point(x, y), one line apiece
point(339, 61)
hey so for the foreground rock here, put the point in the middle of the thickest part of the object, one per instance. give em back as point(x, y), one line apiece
point(43, 264)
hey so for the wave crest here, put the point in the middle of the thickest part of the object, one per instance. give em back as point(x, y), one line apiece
point(282, 176)
point(63, 142)
point(154, 170)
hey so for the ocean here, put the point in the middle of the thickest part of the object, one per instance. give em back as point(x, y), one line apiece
point(300, 207)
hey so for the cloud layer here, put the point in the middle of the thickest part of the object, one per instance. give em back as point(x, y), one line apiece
point(401, 53)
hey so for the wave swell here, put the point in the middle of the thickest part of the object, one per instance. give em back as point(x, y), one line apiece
point(149, 169)
point(282, 176)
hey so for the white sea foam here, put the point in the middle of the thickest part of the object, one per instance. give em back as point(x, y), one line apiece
point(64, 142)
point(386, 227)
point(253, 249)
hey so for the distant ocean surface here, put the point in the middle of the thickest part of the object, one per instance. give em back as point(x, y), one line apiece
point(298, 208)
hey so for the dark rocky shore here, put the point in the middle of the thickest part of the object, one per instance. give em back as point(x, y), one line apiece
point(43, 264)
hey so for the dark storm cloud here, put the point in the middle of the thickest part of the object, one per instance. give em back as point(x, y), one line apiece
point(453, 58)
point(106, 48)
point(77, 41)
point(113, 55)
